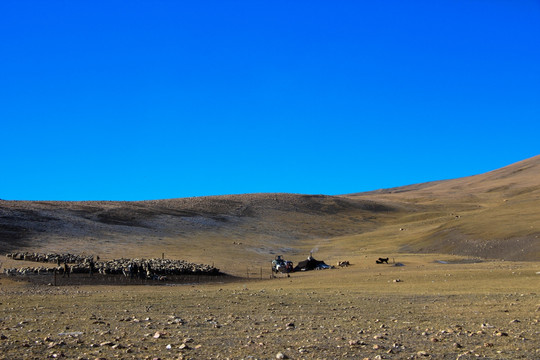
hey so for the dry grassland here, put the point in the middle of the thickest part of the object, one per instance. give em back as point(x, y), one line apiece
point(441, 311)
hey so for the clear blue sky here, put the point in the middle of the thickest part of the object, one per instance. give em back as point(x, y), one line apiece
point(134, 100)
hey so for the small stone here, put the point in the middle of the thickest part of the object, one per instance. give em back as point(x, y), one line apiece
point(422, 353)
point(281, 355)
point(3, 337)
point(184, 347)
point(501, 333)
point(457, 345)
point(106, 343)
point(158, 335)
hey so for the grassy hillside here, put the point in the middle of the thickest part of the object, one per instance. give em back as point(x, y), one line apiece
point(493, 215)
point(246, 229)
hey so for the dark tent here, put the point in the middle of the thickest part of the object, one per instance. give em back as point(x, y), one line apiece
point(310, 264)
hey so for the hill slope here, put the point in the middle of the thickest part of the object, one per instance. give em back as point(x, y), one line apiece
point(247, 227)
point(494, 215)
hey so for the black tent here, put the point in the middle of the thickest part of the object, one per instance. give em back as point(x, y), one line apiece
point(310, 264)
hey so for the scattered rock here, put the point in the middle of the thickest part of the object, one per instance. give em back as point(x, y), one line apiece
point(71, 333)
point(281, 355)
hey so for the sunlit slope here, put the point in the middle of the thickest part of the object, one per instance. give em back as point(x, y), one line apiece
point(494, 215)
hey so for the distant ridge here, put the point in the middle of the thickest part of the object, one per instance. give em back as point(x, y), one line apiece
point(491, 215)
point(521, 174)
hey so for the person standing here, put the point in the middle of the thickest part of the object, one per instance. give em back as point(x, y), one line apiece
point(66, 269)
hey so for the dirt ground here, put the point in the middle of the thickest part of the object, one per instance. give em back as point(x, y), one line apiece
point(425, 309)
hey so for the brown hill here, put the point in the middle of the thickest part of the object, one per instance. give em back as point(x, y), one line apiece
point(496, 214)
point(493, 215)
point(245, 227)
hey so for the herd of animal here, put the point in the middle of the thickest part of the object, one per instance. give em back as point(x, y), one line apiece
point(76, 264)
point(50, 257)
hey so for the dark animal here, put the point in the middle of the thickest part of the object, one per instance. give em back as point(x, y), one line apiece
point(382, 260)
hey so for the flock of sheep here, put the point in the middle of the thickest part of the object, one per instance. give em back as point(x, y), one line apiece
point(140, 268)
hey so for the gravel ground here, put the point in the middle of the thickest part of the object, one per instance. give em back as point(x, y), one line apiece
point(262, 320)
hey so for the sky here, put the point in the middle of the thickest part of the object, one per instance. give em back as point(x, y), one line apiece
point(141, 100)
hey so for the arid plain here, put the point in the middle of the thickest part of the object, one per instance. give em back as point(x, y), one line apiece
point(468, 287)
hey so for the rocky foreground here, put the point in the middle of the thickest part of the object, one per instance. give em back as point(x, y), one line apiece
point(240, 322)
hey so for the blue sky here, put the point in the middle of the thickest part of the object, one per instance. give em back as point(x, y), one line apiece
point(135, 100)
